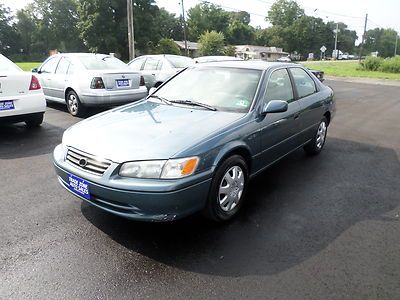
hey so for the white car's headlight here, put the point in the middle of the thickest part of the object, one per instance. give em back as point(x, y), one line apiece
point(160, 169)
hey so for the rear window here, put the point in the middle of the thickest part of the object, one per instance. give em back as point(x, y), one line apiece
point(7, 65)
point(101, 62)
point(179, 61)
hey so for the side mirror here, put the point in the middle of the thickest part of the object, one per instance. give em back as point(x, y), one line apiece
point(275, 106)
point(152, 90)
point(35, 70)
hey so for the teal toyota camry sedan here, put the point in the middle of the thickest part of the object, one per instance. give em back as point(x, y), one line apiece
point(195, 142)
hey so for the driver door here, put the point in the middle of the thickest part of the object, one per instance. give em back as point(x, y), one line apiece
point(279, 130)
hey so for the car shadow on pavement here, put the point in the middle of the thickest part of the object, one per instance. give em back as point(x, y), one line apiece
point(293, 211)
point(18, 141)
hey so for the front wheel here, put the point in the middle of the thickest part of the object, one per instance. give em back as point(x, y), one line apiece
point(316, 145)
point(74, 105)
point(227, 190)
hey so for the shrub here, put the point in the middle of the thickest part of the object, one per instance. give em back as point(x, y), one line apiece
point(167, 46)
point(371, 63)
point(391, 65)
point(212, 43)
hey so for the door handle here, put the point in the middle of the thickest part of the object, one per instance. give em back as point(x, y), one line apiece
point(296, 115)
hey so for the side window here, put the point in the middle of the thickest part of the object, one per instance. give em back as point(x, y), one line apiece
point(151, 64)
point(62, 66)
point(279, 87)
point(50, 65)
point(137, 64)
point(304, 84)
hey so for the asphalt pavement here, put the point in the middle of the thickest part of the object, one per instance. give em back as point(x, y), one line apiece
point(312, 227)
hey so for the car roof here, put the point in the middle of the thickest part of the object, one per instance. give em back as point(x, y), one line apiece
point(247, 64)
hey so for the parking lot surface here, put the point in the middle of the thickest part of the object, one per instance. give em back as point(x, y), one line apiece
point(312, 227)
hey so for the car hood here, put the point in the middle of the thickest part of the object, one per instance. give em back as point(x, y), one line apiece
point(145, 130)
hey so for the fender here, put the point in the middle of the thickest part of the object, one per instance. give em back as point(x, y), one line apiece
point(232, 147)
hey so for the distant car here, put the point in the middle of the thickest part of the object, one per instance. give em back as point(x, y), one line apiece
point(194, 144)
point(203, 59)
point(82, 80)
point(158, 68)
point(318, 74)
point(21, 96)
point(284, 59)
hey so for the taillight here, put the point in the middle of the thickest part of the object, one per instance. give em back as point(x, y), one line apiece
point(142, 83)
point(35, 85)
point(97, 83)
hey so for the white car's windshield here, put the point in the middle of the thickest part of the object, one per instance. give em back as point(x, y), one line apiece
point(7, 65)
point(227, 89)
point(179, 61)
point(101, 62)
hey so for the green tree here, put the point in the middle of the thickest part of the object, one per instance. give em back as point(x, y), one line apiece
point(239, 33)
point(230, 50)
point(206, 17)
point(167, 46)
point(284, 13)
point(381, 40)
point(8, 42)
point(211, 43)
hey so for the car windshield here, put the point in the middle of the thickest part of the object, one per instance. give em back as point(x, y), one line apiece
point(101, 62)
point(226, 89)
point(7, 65)
point(179, 61)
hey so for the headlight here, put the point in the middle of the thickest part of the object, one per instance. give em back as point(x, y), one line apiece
point(142, 169)
point(160, 169)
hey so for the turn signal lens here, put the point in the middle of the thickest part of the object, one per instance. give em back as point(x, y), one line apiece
point(178, 168)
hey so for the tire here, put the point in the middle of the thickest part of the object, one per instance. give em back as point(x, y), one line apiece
point(316, 145)
point(74, 105)
point(222, 207)
point(35, 121)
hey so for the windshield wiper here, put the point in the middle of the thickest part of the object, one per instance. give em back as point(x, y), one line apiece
point(194, 103)
point(161, 99)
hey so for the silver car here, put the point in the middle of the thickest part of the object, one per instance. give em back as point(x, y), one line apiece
point(86, 79)
point(158, 68)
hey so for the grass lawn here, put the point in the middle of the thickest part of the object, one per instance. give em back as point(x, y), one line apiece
point(348, 69)
point(27, 66)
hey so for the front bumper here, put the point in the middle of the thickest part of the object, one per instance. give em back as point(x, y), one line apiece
point(104, 97)
point(149, 202)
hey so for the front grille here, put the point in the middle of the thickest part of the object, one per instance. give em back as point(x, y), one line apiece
point(87, 162)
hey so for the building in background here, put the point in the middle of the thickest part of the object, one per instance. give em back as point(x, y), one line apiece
point(193, 48)
point(259, 52)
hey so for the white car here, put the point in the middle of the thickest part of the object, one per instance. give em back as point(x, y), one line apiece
point(21, 96)
point(284, 59)
point(82, 80)
point(158, 68)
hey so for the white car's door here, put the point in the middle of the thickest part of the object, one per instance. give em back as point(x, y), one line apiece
point(60, 78)
point(46, 74)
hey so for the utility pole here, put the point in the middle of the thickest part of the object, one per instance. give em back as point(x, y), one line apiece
point(336, 51)
point(131, 36)
point(184, 28)
point(363, 37)
point(395, 45)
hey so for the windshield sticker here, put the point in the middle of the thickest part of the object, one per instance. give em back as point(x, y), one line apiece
point(242, 103)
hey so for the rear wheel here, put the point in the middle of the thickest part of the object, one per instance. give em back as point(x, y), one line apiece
point(74, 105)
point(35, 121)
point(316, 145)
point(227, 189)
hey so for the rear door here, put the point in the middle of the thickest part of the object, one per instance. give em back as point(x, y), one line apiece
point(60, 78)
point(278, 130)
point(151, 70)
point(311, 104)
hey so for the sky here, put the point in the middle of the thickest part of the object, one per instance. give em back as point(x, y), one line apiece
point(381, 13)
